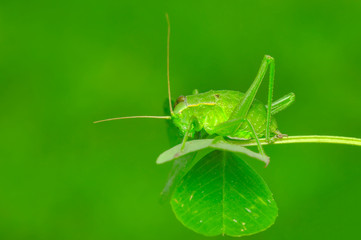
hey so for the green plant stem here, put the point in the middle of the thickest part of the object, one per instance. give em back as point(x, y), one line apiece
point(306, 139)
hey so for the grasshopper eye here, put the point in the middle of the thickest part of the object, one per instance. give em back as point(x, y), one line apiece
point(179, 100)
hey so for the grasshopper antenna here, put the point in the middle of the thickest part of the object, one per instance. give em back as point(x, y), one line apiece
point(169, 95)
point(119, 118)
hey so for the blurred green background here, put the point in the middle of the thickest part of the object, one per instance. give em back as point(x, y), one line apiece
point(64, 64)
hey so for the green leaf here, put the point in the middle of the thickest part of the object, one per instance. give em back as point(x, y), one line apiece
point(190, 147)
point(210, 144)
point(232, 147)
point(221, 194)
point(180, 167)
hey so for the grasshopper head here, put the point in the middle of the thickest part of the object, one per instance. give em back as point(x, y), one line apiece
point(182, 119)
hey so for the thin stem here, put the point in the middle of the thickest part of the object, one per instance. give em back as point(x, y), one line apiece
point(305, 139)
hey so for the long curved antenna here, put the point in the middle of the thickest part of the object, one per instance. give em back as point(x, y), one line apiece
point(169, 95)
point(119, 118)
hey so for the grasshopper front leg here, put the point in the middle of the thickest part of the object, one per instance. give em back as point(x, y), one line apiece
point(192, 122)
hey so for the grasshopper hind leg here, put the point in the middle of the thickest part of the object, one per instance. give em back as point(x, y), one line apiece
point(240, 112)
point(277, 106)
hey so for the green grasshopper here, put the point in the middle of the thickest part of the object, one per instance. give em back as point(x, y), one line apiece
point(226, 113)
point(233, 115)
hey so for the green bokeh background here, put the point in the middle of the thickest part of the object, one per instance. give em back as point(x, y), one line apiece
point(64, 64)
